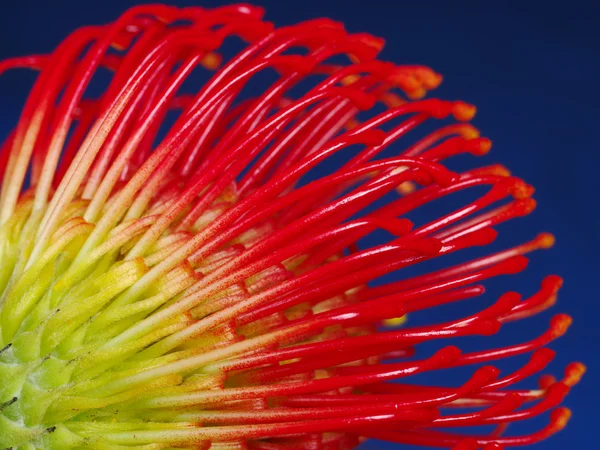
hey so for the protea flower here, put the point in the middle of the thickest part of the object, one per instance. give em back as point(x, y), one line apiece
point(194, 266)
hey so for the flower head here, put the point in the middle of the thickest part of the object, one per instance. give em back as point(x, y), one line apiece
point(196, 266)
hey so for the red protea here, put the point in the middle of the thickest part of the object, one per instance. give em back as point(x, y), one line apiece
point(184, 284)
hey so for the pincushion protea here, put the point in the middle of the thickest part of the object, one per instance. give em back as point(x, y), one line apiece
point(194, 291)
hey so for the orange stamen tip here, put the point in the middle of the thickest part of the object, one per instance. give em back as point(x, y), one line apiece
point(351, 124)
point(495, 169)
point(417, 93)
point(406, 82)
point(433, 80)
point(118, 46)
point(545, 240)
point(521, 190)
point(469, 132)
point(350, 79)
point(560, 417)
point(408, 187)
point(392, 100)
point(212, 61)
point(463, 111)
point(428, 77)
point(500, 170)
point(479, 146)
point(485, 145)
point(526, 206)
point(395, 321)
point(573, 373)
point(372, 41)
point(560, 324)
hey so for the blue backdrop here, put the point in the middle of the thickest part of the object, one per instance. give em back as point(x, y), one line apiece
point(532, 68)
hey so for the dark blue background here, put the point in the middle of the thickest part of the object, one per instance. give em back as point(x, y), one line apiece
point(532, 68)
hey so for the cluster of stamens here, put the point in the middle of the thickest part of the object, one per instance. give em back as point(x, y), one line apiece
point(199, 287)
